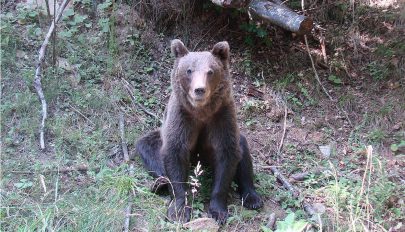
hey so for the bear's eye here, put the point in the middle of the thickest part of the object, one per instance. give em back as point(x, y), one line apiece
point(210, 73)
point(189, 71)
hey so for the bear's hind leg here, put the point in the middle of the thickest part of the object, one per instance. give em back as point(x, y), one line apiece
point(244, 178)
point(148, 148)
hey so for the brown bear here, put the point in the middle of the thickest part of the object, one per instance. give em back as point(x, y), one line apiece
point(200, 124)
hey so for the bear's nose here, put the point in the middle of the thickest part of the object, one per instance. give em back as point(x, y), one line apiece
point(199, 91)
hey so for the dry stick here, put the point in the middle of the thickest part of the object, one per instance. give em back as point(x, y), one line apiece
point(131, 169)
point(271, 221)
point(81, 114)
point(307, 207)
point(123, 140)
point(37, 80)
point(315, 72)
point(127, 85)
point(280, 146)
point(48, 9)
point(80, 167)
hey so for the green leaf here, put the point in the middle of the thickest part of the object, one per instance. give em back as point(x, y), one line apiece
point(335, 79)
point(394, 147)
point(290, 224)
point(265, 229)
point(69, 12)
point(24, 183)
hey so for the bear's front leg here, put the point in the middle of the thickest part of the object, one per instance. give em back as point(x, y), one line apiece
point(179, 135)
point(224, 138)
point(176, 162)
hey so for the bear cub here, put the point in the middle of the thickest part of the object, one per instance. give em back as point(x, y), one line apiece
point(200, 125)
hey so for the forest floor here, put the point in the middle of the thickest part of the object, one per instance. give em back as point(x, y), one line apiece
point(348, 147)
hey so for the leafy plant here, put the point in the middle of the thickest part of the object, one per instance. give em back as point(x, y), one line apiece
point(23, 184)
point(335, 80)
point(257, 31)
point(376, 135)
point(289, 224)
point(377, 71)
point(396, 146)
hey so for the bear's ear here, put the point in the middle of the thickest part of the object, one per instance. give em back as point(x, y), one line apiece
point(221, 50)
point(178, 48)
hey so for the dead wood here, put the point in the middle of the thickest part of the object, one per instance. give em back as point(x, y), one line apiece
point(281, 16)
point(273, 12)
point(79, 168)
point(37, 80)
point(295, 192)
point(123, 140)
point(124, 147)
point(271, 221)
point(280, 146)
point(231, 3)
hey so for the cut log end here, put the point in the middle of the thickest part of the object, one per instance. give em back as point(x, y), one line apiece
point(306, 26)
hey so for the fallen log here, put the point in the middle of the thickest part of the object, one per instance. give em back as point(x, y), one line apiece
point(273, 12)
point(231, 3)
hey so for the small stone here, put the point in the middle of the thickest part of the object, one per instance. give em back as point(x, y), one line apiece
point(325, 151)
point(202, 224)
point(319, 208)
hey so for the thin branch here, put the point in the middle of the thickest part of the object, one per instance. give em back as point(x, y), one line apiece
point(128, 209)
point(127, 85)
point(37, 80)
point(283, 180)
point(123, 140)
point(81, 114)
point(79, 168)
point(295, 192)
point(280, 146)
point(315, 72)
point(127, 217)
point(271, 221)
point(48, 9)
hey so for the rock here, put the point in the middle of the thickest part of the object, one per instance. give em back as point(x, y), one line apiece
point(202, 224)
point(325, 151)
point(319, 208)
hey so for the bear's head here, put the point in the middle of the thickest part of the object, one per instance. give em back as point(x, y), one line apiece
point(200, 76)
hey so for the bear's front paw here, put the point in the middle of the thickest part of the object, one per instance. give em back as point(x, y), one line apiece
point(178, 212)
point(252, 200)
point(218, 212)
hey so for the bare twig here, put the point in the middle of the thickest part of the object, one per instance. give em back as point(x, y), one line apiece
point(315, 72)
point(127, 217)
point(280, 146)
point(80, 168)
point(127, 86)
point(37, 80)
point(295, 192)
point(81, 114)
point(48, 9)
point(283, 180)
point(123, 140)
point(128, 209)
point(271, 221)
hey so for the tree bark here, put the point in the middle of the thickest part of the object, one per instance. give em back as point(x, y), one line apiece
point(281, 16)
point(273, 12)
